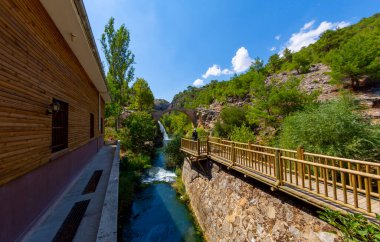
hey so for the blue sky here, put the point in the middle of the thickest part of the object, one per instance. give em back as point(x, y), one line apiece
point(178, 43)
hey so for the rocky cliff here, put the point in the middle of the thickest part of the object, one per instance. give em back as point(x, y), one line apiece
point(230, 207)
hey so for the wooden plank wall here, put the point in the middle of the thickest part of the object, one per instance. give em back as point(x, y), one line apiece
point(37, 65)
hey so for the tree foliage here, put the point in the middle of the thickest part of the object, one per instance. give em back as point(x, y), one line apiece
point(333, 128)
point(176, 123)
point(274, 101)
point(301, 62)
point(353, 227)
point(358, 57)
point(173, 154)
point(242, 134)
point(275, 63)
point(139, 133)
point(230, 117)
point(142, 98)
point(115, 45)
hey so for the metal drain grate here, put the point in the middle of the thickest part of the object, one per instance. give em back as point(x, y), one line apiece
point(70, 226)
point(93, 182)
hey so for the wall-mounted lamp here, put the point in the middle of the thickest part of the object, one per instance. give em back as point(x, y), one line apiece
point(72, 36)
point(54, 107)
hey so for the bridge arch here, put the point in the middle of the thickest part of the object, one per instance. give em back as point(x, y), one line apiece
point(190, 113)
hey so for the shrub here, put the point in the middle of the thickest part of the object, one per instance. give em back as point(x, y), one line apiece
point(333, 128)
point(272, 102)
point(230, 117)
point(139, 133)
point(354, 227)
point(135, 162)
point(242, 134)
point(110, 134)
point(201, 133)
point(176, 123)
point(173, 154)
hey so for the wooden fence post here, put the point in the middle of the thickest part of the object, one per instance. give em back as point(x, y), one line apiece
point(301, 167)
point(233, 153)
point(278, 167)
point(198, 147)
point(207, 146)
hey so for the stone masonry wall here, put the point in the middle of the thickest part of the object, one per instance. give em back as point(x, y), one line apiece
point(230, 207)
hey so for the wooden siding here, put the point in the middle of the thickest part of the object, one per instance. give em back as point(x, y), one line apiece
point(37, 65)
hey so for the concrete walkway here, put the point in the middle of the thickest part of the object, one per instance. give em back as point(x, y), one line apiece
point(48, 226)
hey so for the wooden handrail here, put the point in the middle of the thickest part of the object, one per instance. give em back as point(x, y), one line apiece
point(346, 183)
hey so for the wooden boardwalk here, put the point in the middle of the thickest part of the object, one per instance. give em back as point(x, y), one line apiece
point(324, 181)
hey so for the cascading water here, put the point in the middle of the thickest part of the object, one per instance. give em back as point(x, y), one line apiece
point(163, 131)
point(157, 213)
point(157, 173)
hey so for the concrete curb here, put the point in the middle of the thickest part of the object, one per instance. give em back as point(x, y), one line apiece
point(108, 222)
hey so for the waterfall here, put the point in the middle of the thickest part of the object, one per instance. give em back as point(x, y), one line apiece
point(163, 131)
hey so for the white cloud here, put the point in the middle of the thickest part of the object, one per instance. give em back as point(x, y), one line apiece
point(308, 25)
point(307, 35)
point(227, 72)
point(342, 24)
point(198, 83)
point(215, 70)
point(273, 48)
point(241, 61)
point(212, 71)
point(277, 37)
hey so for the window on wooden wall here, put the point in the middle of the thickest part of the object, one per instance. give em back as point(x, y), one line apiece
point(91, 125)
point(60, 121)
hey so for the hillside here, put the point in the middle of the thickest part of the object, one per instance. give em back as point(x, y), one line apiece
point(325, 97)
point(352, 53)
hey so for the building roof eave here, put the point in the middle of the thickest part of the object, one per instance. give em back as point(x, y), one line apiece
point(71, 19)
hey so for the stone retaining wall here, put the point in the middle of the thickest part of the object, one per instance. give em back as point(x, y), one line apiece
point(230, 207)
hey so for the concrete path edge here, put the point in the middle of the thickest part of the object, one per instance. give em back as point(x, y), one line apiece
point(108, 222)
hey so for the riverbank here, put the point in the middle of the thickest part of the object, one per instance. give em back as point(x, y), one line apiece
point(180, 188)
point(157, 213)
point(131, 172)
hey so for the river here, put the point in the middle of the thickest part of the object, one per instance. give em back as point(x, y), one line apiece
point(157, 213)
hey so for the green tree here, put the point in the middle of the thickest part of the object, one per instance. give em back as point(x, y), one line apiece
point(176, 123)
point(301, 62)
point(257, 64)
point(288, 55)
point(230, 117)
point(357, 58)
point(115, 45)
point(333, 128)
point(274, 63)
point(242, 134)
point(142, 97)
point(274, 101)
point(139, 133)
point(173, 154)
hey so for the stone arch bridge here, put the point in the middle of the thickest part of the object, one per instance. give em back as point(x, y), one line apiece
point(190, 113)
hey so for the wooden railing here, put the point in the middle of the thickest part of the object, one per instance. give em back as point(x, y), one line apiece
point(319, 179)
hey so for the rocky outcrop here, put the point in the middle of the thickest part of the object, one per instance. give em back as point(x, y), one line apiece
point(233, 208)
point(161, 104)
point(207, 117)
point(317, 79)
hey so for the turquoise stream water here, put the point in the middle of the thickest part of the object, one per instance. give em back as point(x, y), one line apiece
point(157, 213)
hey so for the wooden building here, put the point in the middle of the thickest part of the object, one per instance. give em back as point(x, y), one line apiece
point(52, 95)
